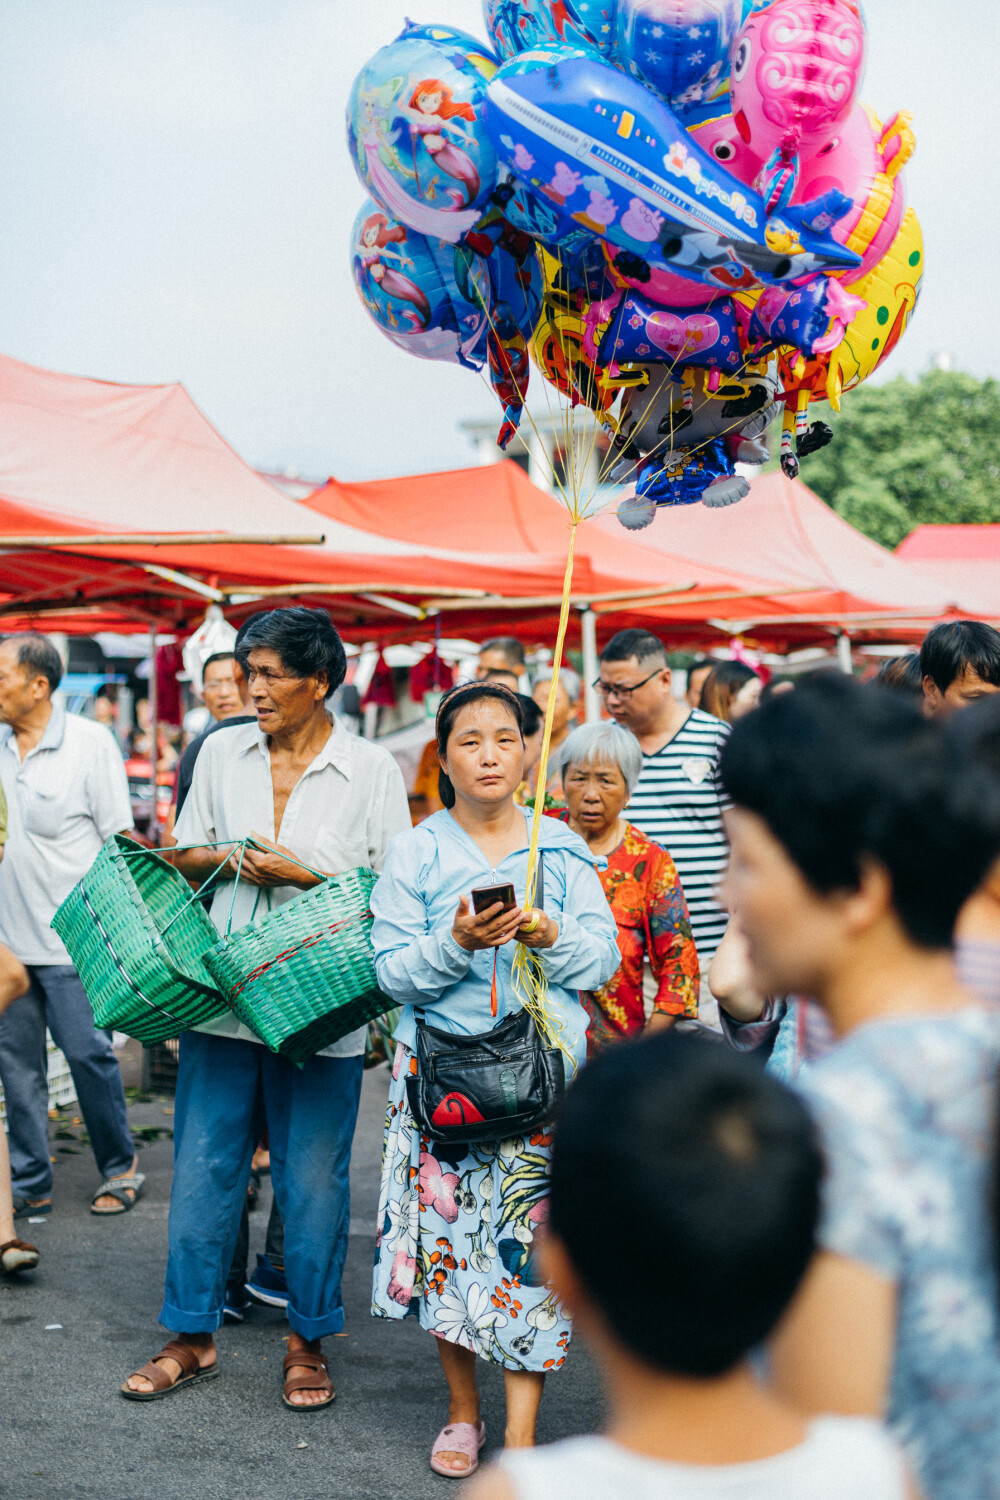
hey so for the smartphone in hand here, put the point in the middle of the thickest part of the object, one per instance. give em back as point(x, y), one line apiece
point(485, 896)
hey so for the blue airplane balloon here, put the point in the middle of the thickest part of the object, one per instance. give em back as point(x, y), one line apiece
point(615, 161)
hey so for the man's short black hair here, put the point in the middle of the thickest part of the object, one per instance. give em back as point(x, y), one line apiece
point(641, 644)
point(305, 640)
point(843, 773)
point(36, 653)
point(510, 646)
point(950, 650)
point(217, 656)
point(902, 674)
point(531, 715)
point(497, 674)
point(708, 1170)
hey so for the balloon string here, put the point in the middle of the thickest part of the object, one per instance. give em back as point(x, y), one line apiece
point(550, 710)
point(527, 972)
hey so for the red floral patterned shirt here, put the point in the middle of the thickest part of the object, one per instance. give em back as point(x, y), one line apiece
point(647, 902)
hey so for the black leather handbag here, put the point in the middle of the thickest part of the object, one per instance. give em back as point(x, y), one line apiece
point(482, 1088)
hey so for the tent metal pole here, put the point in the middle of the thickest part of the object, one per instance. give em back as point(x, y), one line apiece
point(844, 652)
point(18, 543)
point(588, 641)
point(154, 721)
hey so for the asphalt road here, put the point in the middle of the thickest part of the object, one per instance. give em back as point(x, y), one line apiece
point(66, 1433)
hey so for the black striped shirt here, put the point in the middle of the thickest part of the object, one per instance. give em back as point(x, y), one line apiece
point(678, 803)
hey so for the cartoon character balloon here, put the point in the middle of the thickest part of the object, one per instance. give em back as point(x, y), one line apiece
point(795, 73)
point(422, 295)
point(411, 124)
point(681, 441)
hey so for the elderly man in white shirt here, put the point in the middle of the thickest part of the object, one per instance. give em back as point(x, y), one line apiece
point(335, 801)
point(67, 793)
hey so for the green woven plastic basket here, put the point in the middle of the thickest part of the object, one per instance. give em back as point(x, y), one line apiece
point(137, 938)
point(305, 976)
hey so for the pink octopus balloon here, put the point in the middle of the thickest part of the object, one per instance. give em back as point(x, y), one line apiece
point(856, 161)
point(796, 69)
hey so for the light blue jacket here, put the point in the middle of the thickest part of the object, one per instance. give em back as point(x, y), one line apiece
point(418, 962)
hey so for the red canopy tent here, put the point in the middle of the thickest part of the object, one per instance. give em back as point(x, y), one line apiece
point(964, 561)
point(92, 461)
point(495, 514)
point(828, 577)
point(108, 466)
point(780, 567)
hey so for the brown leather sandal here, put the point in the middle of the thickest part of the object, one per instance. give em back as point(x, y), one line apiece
point(318, 1381)
point(191, 1373)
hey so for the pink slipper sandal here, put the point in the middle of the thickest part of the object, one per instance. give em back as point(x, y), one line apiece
point(458, 1437)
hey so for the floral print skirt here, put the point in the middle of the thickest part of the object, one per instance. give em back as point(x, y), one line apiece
point(457, 1239)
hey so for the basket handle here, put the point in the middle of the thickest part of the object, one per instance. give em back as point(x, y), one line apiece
point(243, 845)
point(320, 874)
point(197, 894)
point(250, 843)
point(246, 843)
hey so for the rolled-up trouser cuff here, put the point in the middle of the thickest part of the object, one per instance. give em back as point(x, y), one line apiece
point(316, 1328)
point(179, 1321)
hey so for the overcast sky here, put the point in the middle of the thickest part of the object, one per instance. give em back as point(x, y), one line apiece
point(176, 198)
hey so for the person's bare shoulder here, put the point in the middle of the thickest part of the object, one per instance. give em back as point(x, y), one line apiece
point(490, 1484)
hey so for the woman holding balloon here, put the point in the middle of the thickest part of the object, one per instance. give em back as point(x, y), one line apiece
point(459, 1219)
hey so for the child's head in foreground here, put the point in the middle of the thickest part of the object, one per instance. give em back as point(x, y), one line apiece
point(684, 1202)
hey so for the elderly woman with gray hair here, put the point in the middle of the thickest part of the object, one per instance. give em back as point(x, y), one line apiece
point(601, 765)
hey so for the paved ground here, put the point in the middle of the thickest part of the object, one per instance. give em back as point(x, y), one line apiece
point(66, 1434)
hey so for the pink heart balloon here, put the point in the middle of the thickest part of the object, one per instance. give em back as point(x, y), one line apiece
point(680, 336)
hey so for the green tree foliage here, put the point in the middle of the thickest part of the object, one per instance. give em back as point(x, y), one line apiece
point(907, 453)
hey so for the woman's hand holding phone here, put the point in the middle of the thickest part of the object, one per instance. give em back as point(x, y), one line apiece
point(487, 929)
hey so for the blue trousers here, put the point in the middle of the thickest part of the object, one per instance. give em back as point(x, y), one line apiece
point(225, 1087)
point(56, 999)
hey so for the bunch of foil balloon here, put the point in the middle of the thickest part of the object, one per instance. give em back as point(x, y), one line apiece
point(678, 210)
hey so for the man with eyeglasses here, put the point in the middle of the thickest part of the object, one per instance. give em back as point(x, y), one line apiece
point(677, 801)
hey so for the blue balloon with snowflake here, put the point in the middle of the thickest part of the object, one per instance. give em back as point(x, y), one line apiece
point(678, 48)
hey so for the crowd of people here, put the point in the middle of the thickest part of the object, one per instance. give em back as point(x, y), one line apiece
point(776, 1226)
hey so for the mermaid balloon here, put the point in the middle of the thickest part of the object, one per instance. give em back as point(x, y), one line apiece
point(376, 239)
point(431, 112)
point(430, 298)
point(412, 126)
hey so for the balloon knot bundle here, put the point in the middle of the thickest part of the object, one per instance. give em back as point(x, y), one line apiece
point(678, 210)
